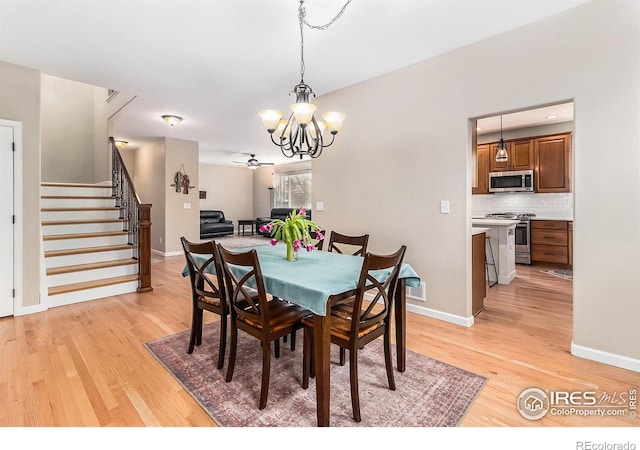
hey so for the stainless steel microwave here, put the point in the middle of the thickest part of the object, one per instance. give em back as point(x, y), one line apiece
point(515, 181)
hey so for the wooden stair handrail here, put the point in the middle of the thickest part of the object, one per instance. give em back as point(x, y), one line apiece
point(137, 216)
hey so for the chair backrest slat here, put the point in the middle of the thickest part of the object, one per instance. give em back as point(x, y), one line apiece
point(200, 273)
point(337, 243)
point(374, 267)
point(245, 285)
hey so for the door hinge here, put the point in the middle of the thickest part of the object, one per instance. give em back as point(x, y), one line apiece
point(13, 146)
point(13, 291)
point(13, 220)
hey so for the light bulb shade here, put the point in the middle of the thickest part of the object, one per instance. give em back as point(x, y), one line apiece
point(501, 154)
point(270, 118)
point(120, 143)
point(321, 125)
point(172, 120)
point(334, 121)
point(303, 112)
point(282, 128)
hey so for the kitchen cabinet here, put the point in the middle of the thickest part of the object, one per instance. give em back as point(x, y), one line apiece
point(550, 241)
point(520, 156)
point(482, 167)
point(478, 273)
point(553, 164)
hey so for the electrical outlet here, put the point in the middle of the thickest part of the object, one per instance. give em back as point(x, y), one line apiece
point(319, 206)
point(444, 207)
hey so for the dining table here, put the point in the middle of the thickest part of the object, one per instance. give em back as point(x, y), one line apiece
point(316, 281)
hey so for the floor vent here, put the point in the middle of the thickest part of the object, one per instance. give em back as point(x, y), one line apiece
point(417, 293)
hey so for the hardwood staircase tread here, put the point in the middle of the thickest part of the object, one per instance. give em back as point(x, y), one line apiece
point(57, 237)
point(55, 290)
point(80, 251)
point(80, 222)
point(89, 208)
point(78, 185)
point(69, 197)
point(90, 266)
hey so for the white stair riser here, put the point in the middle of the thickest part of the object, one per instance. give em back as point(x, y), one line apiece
point(81, 228)
point(92, 294)
point(76, 202)
point(75, 191)
point(90, 275)
point(62, 244)
point(70, 260)
point(70, 215)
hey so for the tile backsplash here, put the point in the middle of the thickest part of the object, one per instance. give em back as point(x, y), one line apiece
point(558, 205)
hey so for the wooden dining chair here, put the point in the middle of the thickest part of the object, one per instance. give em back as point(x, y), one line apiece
point(252, 311)
point(356, 324)
point(207, 290)
point(353, 245)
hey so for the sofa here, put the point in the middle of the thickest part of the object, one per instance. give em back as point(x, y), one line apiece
point(276, 213)
point(214, 224)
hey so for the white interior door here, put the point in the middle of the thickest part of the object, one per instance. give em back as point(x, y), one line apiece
point(6, 221)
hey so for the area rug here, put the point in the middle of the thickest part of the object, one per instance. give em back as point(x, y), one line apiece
point(429, 394)
point(567, 274)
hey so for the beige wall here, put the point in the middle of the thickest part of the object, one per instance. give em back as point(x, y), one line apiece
point(262, 181)
point(74, 131)
point(20, 102)
point(178, 220)
point(146, 165)
point(388, 180)
point(229, 189)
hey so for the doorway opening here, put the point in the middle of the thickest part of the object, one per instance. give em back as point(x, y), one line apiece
point(538, 140)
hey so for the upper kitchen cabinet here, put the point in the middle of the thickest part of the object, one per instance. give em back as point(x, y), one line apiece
point(482, 167)
point(553, 163)
point(520, 156)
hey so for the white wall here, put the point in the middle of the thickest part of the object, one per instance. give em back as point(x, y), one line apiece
point(20, 102)
point(388, 180)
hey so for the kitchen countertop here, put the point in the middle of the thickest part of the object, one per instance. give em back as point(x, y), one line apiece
point(494, 222)
point(568, 219)
point(478, 230)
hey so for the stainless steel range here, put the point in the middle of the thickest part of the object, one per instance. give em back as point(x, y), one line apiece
point(523, 233)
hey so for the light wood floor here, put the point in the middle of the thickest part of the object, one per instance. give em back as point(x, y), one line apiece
point(85, 365)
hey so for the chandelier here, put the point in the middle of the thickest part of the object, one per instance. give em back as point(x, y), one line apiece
point(301, 134)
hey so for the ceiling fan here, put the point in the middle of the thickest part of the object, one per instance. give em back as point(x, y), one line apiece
point(252, 162)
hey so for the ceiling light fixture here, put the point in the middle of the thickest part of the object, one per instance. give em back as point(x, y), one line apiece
point(501, 154)
point(120, 143)
point(301, 134)
point(171, 119)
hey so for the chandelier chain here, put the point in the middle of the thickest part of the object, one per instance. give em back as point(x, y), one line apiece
point(302, 14)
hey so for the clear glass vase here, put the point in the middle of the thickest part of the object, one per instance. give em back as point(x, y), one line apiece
point(291, 254)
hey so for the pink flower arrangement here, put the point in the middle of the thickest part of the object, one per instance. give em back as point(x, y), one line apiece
point(293, 231)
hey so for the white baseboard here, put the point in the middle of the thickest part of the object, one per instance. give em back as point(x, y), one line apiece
point(24, 310)
point(163, 254)
point(435, 314)
point(624, 362)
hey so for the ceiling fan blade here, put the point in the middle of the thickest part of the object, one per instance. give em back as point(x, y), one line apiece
point(265, 164)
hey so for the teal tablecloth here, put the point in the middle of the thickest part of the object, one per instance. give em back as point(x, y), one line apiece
point(314, 277)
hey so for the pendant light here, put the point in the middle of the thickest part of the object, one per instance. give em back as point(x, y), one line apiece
point(501, 153)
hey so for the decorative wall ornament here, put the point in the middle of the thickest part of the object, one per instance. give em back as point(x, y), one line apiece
point(181, 181)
